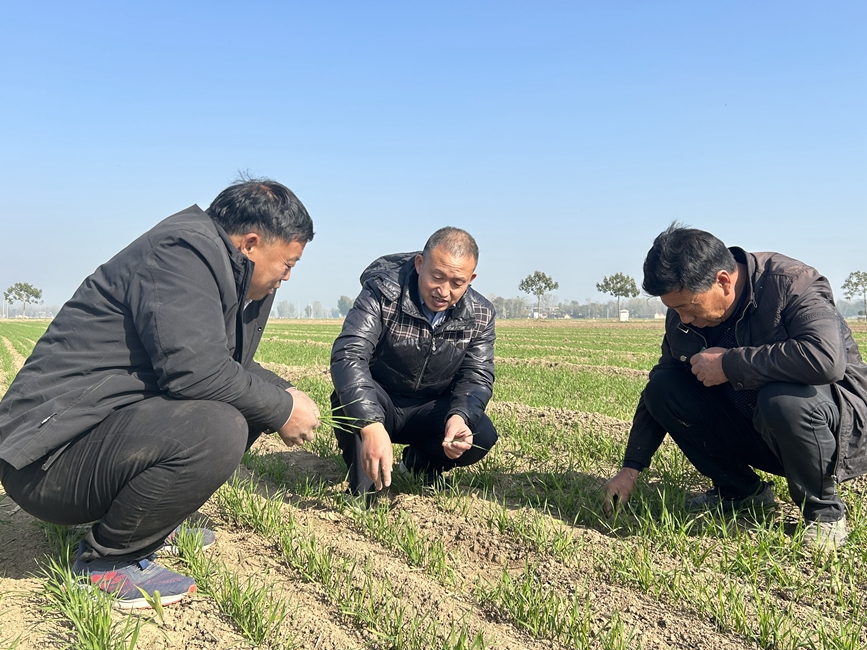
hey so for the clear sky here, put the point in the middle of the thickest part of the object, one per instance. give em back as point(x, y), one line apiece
point(563, 135)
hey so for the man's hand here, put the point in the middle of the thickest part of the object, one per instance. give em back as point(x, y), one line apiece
point(304, 419)
point(618, 489)
point(707, 366)
point(377, 454)
point(458, 437)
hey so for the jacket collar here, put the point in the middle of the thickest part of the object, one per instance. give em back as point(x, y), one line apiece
point(242, 266)
point(744, 257)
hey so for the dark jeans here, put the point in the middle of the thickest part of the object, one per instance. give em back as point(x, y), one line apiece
point(419, 422)
point(139, 473)
point(791, 434)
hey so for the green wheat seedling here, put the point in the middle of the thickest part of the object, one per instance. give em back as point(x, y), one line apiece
point(238, 502)
point(749, 607)
point(540, 532)
point(324, 444)
point(274, 469)
point(268, 466)
point(452, 502)
point(372, 603)
point(252, 608)
point(87, 609)
point(545, 614)
point(402, 533)
point(62, 540)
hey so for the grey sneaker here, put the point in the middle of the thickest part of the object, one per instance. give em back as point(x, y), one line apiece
point(826, 536)
point(712, 500)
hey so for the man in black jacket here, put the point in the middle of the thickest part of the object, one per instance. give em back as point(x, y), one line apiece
point(758, 370)
point(414, 365)
point(141, 397)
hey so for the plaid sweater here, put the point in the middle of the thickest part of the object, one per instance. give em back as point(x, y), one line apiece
point(386, 339)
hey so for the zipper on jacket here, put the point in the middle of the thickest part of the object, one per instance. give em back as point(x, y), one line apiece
point(433, 348)
point(688, 330)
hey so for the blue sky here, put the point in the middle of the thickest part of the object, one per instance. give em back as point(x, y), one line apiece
point(563, 135)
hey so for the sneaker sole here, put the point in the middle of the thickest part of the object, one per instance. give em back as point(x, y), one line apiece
point(142, 603)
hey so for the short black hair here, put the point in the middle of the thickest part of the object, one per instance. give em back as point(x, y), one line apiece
point(454, 241)
point(263, 206)
point(684, 258)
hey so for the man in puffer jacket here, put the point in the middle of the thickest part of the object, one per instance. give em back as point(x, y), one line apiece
point(414, 365)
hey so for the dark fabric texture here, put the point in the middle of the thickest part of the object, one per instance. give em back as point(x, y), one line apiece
point(789, 331)
point(420, 423)
point(162, 317)
point(387, 341)
point(791, 434)
point(138, 474)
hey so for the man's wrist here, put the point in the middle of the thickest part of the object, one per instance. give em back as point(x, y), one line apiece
point(633, 464)
point(373, 428)
point(460, 415)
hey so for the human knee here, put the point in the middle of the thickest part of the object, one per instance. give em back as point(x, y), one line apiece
point(216, 430)
point(783, 406)
point(485, 435)
point(660, 391)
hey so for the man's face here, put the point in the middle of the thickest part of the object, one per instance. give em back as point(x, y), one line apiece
point(706, 309)
point(273, 263)
point(443, 279)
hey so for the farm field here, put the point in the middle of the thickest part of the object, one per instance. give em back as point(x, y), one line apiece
point(514, 553)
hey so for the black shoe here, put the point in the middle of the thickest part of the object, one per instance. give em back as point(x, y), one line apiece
point(763, 499)
point(411, 464)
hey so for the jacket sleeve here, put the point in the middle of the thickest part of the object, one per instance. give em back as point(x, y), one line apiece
point(176, 302)
point(350, 359)
point(814, 352)
point(646, 434)
point(474, 381)
point(269, 377)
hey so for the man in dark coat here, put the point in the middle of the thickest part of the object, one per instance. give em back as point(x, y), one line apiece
point(142, 395)
point(414, 365)
point(758, 370)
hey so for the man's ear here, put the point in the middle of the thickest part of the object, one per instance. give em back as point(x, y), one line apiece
point(247, 243)
point(726, 281)
point(419, 260)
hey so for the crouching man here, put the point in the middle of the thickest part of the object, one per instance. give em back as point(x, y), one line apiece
point(758, 370)
point(414, 364)
point(141, 397)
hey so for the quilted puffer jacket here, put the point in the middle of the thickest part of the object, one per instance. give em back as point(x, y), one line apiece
point(386, 339)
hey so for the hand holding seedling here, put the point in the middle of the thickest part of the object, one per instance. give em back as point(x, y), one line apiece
point(707, 366)
point(618, 489)
point(458, 437)
point(304, 419)
point(377, 454)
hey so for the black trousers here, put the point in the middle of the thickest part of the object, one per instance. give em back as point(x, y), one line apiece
point(138, 474)
point(791, 434)
point(419, 422)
